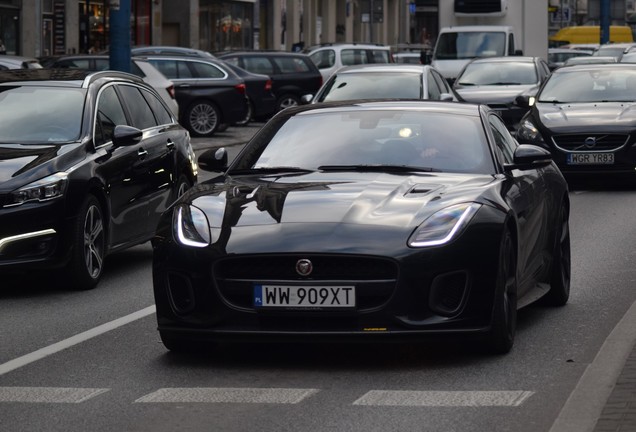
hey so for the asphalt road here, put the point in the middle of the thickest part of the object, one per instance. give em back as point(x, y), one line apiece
point(92, 361)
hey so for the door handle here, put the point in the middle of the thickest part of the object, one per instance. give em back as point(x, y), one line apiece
point(142, 152)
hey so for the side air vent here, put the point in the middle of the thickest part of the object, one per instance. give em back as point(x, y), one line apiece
point(481, 7)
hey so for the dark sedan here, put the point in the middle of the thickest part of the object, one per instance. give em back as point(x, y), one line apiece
point(498, 81)
point(87, 165)
point(209, 93)
point(365, 221)
point(261, 102)
point(584, 115)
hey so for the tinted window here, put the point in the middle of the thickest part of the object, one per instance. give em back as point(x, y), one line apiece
point(353, 57)
point(324, 58)
point(73, 64)
point(370, 85)
point(207, 70)
point(504, 142)
point(166, 67)
point(109, 114)
point(162, 115)
point(291, 64)
point(142, 116)
point(258, 65)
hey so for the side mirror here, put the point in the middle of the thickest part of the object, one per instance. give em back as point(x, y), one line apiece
point(528, 156)
point(306, 99)
point(213, 160)
point(446, 97)
point(124, 135)
point(523, 101)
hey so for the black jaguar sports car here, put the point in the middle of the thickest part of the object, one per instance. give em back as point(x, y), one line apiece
point(365, 221)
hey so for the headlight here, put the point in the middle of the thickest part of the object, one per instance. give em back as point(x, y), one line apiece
point(190, 226)
point(46, 189)
point(528, 133)
point(441, 227)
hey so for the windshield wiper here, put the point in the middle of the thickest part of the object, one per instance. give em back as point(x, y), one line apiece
point(378, 167)
point(466, 83)
point(271, 170)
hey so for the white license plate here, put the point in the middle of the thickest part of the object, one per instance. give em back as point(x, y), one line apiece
point(590, 158)
point(304, 296)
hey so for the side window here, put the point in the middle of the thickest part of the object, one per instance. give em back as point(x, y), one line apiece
point(162, 115)
point(73, 64)
point(258, 65)
point(183, 70)
point(207, 70)
point(511, 44)
point(433, 90)
point(142, 116)
point(380, 56)
point(441, 82)
point(324, 58)
point(504, 142)
point(109, 114)
point(166, 67)
point(290, 64)
point(102, 64)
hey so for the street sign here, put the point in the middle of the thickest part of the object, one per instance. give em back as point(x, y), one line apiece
point(561, 15)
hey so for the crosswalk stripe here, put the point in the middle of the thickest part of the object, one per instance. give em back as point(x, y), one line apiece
point(444, 398)
point(232, 395)
point(48, 394)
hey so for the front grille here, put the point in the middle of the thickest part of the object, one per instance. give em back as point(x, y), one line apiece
point(375, 278)
point(590, 142)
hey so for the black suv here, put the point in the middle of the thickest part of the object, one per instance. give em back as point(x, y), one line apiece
point(293, 74)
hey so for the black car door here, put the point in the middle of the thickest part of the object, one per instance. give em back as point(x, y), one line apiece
point(525, 196)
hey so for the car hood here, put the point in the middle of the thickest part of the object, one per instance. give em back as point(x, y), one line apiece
point(21, 163)
point(602, 115)
point(494, 93)
point(397, 201)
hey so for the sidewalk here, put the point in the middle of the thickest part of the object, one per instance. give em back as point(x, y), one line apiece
point(604, 400)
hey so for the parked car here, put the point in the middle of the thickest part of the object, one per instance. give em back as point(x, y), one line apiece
point(613, 49)
point(582, 115)
point(373, 221)
point(330, 57)
point(498, 81)
point(18, 62)
point(209, 93)
point(293, 74)
point(558, 56)
point(385, 81)
point(139, 67)
point(590, 60)
point(260, 97)
point(88, 162)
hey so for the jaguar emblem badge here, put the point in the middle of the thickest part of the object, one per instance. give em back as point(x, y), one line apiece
point(304, 267)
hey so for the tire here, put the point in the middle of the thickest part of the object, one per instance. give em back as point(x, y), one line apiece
point(286, 101)
point(89, 246)
point(560, 274)
point(501, 336)
point(182, 185)
point(248, 116)
point(202, 118)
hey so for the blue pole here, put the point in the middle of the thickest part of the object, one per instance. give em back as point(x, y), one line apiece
point(119, 52)
point(605, 21)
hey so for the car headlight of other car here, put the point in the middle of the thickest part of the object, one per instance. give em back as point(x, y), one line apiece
point(190, 226)
point(46, 189)
point(443, 226)
point(528, 133)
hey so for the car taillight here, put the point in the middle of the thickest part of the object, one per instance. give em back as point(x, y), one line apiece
point(240, 88)
point(170, 91)
point(268, 85)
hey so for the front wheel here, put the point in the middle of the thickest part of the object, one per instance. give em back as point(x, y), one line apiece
point(559, 293)
point(89, 246)
point(504, 317)
point(286, 101)
point(202, 118)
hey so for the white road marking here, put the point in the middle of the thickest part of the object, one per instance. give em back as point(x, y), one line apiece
point(444, 398)
point(48, 394)
point(74, 340)
point(229, 395)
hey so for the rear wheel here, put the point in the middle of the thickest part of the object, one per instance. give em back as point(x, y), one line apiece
point(248, 116)
point(559, 293)
point(202, 118)
point(504, 321)
point(287, 100)
point(89, 246)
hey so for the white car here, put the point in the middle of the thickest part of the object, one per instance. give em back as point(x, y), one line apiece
point(331, 57)
point(18, 62)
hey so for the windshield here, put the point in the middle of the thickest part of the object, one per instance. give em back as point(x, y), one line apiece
point(348, 86)
point(498, 73)
point(30, 114)
point(369, 138)
point(466, 45)
point(590, 85)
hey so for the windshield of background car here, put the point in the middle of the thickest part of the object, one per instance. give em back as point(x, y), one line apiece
point(373, 85)
point(498, 73)
point(590, 85)
point(32, 114)
point(383, 137)
point(466, 45)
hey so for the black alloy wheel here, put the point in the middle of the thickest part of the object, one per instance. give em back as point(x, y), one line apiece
point(89, 246)
point(501, 337)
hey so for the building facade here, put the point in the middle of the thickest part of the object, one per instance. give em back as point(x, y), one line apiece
point(53, 27)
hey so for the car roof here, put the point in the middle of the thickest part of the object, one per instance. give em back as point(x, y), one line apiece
point(60, 77)
point(261, 53)
point(505, 59)
point(384, 67)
